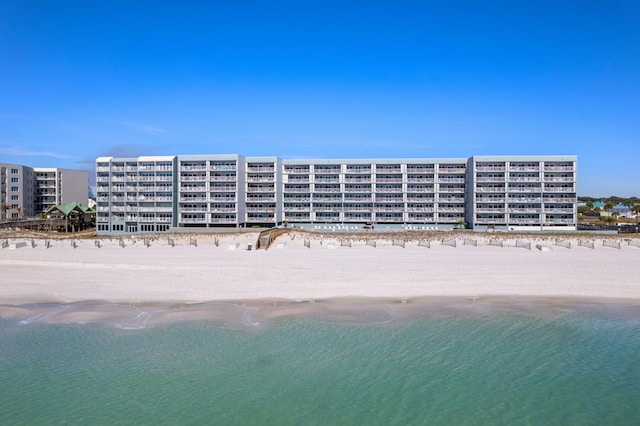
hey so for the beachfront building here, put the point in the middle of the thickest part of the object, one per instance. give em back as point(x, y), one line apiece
point(16, 191)
point(27, 191)
point(522, 192)
point(204, 191)
point(55, 186)
point(387, 192)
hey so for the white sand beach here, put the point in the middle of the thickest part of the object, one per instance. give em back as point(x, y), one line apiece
point(474, 268)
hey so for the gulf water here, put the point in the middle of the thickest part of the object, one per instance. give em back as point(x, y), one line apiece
point(579, 368)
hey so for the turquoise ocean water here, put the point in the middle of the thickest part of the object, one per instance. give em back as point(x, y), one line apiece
point(581, 367)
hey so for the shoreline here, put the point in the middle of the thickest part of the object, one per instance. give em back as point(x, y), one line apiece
point(262, 313)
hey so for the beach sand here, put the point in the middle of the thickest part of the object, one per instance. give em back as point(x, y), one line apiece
point(289, 271)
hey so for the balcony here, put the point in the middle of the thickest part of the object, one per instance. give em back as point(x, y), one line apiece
point(358, 170)
point(327, 199)
point(490, 221)
point(421, 209)
point(524, 168)
point(265, 209)
point(261, 169)
point(558, 179)
point(559, 200)
point(223, 178)
point(261, 199)
point(297, 191)
point(193, 188)
point(357, 208)
point(452, 190)
point(297, 217)
point(559, 211)
point(461, 170)
point(524, 179)
point(414, 198)
point(480, 200)
point(389, 219)
point(260, 189)
point(552, 168)
point(389, 199)
point(226, 220)
point(202, 209)
point(490, 179)
point(414, 170)
point(296, 170)
point(327, 170)
point(194, 168)
point(358, 218)
point(560, 221)
point(529, 221)
point(228, 188)
point(266, 179)
point(297, 209)
point(535, 189)
point(388, 169)
point(525, 210)
point(322, 179)
point(193, 220)
point(217, 199)
point(524, 199)
point(380, 209)
point(223, 167)
point(328, 209)
point(357, 190)
point(417, 179)
point(193, 178)
point(489, 210)
point(223, 210)
point(486, 169)
point(559, 189)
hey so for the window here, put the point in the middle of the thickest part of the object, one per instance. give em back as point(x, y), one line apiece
point(14, 171)
point(14, 180)
point(14, 188)
point(14, 198)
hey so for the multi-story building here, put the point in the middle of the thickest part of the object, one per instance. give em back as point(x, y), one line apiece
point(523, 192)
point(16, 192)
point(55, 186)
point(161, 193)
point(26, 191)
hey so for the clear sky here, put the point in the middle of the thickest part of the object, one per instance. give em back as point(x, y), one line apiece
point(329, 79)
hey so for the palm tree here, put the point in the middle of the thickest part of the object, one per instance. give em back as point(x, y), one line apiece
point(3, 208)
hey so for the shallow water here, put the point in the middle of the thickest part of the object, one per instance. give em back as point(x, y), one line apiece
point(457, 364)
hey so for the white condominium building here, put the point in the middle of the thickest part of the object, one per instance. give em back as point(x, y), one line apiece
point(157, 194)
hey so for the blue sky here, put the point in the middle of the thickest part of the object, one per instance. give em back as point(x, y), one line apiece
point(309, 79)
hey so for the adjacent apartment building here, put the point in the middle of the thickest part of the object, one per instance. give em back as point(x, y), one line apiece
point(158, 194)
point(26, 191)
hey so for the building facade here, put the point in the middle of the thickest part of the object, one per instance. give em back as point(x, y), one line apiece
point(158, 194)
point(27, 191)
point(523, 192)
